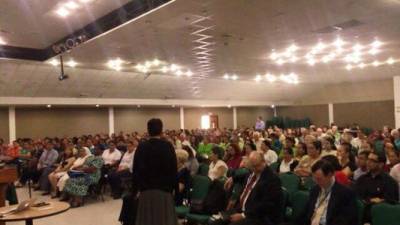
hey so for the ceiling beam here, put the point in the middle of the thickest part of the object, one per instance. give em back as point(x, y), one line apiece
point(35, 101)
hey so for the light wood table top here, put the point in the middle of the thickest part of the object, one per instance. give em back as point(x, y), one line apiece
point(35, 212)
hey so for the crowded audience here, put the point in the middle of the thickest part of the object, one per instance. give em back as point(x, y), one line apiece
point(344, 164)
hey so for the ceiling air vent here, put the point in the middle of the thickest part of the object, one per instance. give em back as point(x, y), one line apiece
point(340, 26)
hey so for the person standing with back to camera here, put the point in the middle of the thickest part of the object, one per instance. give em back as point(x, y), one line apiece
point(154, 177)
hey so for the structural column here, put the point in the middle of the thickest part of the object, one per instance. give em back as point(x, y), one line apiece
point(330, 111)
point(111, 129)
point(234, 118)
point(11, 124)
point(396, 90)
point(182, 117)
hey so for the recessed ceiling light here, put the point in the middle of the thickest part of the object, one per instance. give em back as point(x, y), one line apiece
point(226, 76)
point(292, 48)
point(357, 47)
point(97, 105)
point(229, 106)
point(173, 67)
point(54, 62)
point(311, 62)
point(2, 41)
point(390, 61)
point(147, 64)
point(349, 67)
point(164, 69)
point(373, 51)
point(189, 73)
point(258, 78)
point(156, 62)
point(72, 63)
point(280, 61)
point(62, 12)
point(293, 59)
point(376, 63)
point(178, 73)
point(272, 106)
point(115, 64)
point(235, 77)
point(338, 43)
point(376, 44)
point(273, 56)
point(361, 65)
point(48, 106)
point(71, 5)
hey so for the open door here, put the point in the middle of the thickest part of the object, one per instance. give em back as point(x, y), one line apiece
point(214, 121)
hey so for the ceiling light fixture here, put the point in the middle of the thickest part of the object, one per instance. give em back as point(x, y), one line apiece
point(62, 12)
point(48, 106)
point(390, 61)
point(361, 65)
point(54, 62)
point(235, 77)
point(97, 106)
point(164, 69)
point(72, 63)
point(258, 78)
point(71, 5)
point(115, 64)
point(376, 63)
point(189, 73)
point(2, 41)
point(376, 44)
point(349, 67)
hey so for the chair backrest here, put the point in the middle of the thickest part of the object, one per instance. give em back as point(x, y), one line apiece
point(200, 186)
point(385, 214)
point(360, 211)
point(308, 183)
point(203, 169)
point(290, 181)
point(274, 166)
point(299, 202)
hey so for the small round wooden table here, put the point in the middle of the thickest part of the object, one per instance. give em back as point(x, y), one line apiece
point(34, 212)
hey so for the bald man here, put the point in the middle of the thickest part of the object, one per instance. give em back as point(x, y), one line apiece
point(261, 200)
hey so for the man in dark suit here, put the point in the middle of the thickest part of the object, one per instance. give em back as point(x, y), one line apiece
point(261, 200)
point(330, 203)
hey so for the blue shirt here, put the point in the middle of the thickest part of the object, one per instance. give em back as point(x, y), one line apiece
point(48, 158)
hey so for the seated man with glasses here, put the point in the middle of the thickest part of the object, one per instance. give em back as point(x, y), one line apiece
point(376, 186)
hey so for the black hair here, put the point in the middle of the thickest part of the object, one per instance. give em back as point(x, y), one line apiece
point(154, 127)
point(289, 150)
point(218, 151)
point(268, 143)
point(318, 145)
point(331, 142)
point(188, 150)
point(324, 165)
point(364, 153)
point(381, 156)
point(334, 161)
point(252, 145)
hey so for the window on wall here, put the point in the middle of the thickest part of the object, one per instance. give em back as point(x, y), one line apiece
point(205, 122)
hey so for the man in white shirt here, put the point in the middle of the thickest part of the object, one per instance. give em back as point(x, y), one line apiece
point(270, 155)
point(111, 156)
point(124, 170)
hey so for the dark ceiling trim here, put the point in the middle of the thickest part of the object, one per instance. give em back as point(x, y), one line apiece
point(13, 52)
point(128, 12)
